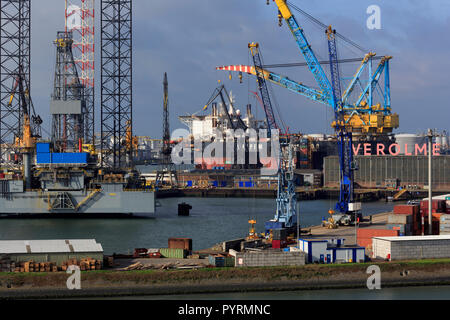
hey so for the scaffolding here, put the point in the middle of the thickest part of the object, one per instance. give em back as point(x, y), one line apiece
point(68, 106)
point(116, 83)
point(15, 49)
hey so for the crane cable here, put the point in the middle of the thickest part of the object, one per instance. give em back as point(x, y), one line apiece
point(324, 26)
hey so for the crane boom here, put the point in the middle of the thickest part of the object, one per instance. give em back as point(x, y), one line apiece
point(306, 50)
point(270, 115)
point(283, 81)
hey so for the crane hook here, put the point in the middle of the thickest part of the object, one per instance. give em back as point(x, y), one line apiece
point(268, 2)
point(240, 77)
point(280, 19)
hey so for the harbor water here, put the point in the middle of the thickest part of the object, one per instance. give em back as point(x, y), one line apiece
point(212, 220)
point(400, 293)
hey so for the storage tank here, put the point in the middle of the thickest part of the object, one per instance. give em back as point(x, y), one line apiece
point(409, 141)
point(442, 140)
point(318, 136)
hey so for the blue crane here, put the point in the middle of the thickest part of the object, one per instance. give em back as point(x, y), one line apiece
point(265, 97)
point(344, 137)
point(332, 91)
point(286, 212)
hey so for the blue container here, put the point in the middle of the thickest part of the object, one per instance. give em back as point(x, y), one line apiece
point(248, 184)
point(43, 158)
point(224, 184)
point(43, 147)
point(70, 158)
point(241, 184)
point(215, 184)
point(217, 261)
point(271, 225)
point(189, 184)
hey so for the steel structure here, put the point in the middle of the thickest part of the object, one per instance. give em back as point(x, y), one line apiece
point(286, 197)
point(166, 149)
point(15, 49)
point(265, 97)
point(332, 91)
point(344, 136)
point(365, 102)
point(68, 106)
point(116, 83)
point(80, 20)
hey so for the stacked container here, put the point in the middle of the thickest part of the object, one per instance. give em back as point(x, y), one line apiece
point(406, 219)
point(279, 238)
point(438, 208)
point(43, 155)
point(444, 225)
point(365, 236)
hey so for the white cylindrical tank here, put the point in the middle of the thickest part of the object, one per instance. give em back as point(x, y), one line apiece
point(407, 141)
point(317, 136)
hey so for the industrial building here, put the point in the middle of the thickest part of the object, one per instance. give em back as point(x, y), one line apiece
point(56, 251)
point(411, 248)
point(381, 171)
point(331, 251)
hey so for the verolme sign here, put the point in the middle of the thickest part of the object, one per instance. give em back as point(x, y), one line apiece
point(394, 150)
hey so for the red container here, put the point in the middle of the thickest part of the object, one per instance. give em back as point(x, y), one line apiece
point(279, 244)
point(365, 243)
point(438, 205)
point(407, 209)
point(365, 235)
point(370, 233)
point(435, 227)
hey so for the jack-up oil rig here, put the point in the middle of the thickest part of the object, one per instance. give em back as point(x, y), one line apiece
point(70, 173)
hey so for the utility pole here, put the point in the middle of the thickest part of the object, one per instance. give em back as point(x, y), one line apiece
point(430, 191)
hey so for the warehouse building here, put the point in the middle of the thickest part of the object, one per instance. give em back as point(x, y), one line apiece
point(331, 251)
point(411, 248)
point(56, 251)
point(380, 171)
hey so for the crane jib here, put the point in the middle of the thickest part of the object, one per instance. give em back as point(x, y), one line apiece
point(313, 64)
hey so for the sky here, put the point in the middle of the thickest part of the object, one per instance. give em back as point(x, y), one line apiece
point(188, 39)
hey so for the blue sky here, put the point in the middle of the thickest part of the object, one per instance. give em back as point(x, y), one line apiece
point(189, 38)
